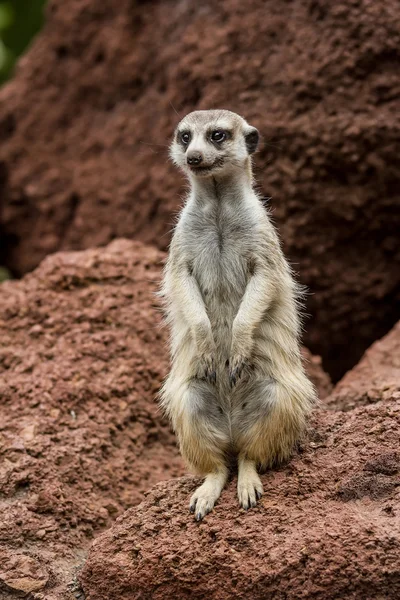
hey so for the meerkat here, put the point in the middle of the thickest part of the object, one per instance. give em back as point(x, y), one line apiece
point(236, 386)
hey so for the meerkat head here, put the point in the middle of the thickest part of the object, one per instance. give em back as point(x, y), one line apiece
point(213, 142)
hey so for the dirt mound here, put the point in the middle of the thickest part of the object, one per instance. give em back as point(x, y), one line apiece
point(376, 377)
point(81, 438)
point(79, 122)
point(326, 528)
point(82, 356)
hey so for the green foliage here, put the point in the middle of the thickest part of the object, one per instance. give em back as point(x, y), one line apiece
point(4, 274)
point(20, 20)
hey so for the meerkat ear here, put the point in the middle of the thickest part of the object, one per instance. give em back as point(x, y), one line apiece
point(251, 137)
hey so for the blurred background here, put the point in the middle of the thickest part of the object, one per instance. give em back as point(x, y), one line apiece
point(90, 95)
point(20, 20)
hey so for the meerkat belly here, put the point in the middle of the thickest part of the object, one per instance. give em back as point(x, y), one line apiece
point(221, 272)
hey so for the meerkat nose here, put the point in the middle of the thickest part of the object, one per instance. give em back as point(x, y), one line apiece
point(194, 158)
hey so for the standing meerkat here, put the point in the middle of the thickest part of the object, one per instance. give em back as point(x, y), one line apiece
point(237, 386)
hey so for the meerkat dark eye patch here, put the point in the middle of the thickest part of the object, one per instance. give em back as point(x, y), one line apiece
point(183, 137)
point(251, 138)
point(217, 136)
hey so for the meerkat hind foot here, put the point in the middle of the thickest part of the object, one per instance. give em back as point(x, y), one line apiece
point(203, 500)
point(249, 487)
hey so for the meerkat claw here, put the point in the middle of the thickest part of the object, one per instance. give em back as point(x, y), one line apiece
point(212, 377)
point(248, 501)
point(249, 487)
point(236, 366)
point(200, 506)
point(207, 370)
point(204, 498)
point(234, 376)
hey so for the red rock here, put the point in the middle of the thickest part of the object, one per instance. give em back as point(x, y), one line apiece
point(376, 377)
point(82, 355)
point(21, 573)
point(327, 527)
point(85, 123)
point(81, 437)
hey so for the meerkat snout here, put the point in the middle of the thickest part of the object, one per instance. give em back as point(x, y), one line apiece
point(194, 158)
point(213, 143)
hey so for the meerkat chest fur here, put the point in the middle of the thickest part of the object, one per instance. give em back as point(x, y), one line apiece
point(217, 238)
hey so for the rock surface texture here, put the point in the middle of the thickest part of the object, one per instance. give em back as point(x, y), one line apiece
point(81, 437)
point(376, 377)
point(82, 356)
point(327, 527)
point(85, 123)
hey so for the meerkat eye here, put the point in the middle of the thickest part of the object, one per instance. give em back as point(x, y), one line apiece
point(218, 136)
point(185, 137)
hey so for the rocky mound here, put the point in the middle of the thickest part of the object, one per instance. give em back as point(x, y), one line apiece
point(327, 527)
point(376, 377)
point(84, 124)
point(81, 438)
point(82, 356)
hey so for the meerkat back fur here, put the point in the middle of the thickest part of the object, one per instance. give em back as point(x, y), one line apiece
point(236, 386)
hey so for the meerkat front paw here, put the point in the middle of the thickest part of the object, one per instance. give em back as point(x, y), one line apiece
point(249, 489)
point(204, 359)
point(240, 354)
point(236, 364)
point(206, 367)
